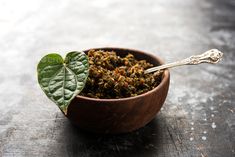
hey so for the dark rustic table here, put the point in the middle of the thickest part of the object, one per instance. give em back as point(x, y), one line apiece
point(198, 117)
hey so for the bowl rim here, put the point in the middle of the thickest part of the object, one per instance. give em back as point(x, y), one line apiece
point(165, 78)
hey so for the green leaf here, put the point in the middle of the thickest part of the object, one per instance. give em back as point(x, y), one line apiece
point(62, 80)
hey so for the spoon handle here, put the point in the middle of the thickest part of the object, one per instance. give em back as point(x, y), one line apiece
point(211, 56)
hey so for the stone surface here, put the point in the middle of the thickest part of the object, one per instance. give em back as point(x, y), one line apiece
point(198, 117)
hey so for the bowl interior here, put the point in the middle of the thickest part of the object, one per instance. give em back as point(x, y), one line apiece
point(139, 55)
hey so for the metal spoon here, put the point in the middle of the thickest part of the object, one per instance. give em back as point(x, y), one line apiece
point(211, 56)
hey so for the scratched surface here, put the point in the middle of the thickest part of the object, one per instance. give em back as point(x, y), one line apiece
point(197, 119)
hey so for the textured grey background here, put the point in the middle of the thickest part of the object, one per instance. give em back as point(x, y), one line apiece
point(198, 117)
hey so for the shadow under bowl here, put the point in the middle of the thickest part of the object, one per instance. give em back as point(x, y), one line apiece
point(113, 116)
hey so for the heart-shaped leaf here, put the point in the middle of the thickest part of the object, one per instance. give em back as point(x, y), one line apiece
point(62, 80)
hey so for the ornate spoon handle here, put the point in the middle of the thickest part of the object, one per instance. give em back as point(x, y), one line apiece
point(211, 56)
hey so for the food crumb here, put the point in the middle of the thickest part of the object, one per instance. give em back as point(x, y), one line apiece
point(203, 138)
point(213, 125)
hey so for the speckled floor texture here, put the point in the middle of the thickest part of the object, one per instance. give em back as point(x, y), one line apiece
point(198, 117)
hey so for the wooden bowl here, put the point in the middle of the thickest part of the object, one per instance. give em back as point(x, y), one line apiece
point(123, 115)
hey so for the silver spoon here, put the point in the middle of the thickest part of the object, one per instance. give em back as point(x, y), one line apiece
point(211, 56)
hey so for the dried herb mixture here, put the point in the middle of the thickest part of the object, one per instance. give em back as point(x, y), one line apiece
point(111, 76)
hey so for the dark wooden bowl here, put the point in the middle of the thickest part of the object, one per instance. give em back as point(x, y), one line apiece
point(120, 115)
